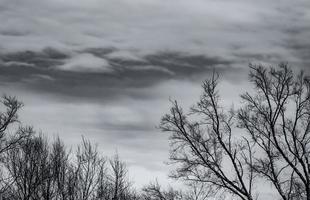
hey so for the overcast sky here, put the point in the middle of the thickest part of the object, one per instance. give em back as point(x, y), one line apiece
point(107, 68)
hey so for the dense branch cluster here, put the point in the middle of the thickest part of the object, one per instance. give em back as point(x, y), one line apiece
point(33, 168)
point(36, 170)
point(278, 121)
point(234, 151)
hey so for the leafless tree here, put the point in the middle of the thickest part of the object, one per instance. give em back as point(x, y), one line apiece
point(205, 149)
point(89, 166)
point(32, 168)
point(274, 146)
point(277, 117)
point(154, 191)
point(9, 119)
point(29, 167)
point(119, 179)
point(197, 191)
point(104, 188)
point(59, 158)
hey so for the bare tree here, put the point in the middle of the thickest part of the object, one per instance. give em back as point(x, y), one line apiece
point(197, 191)
point(87, 171)
point(153, 191)
point(274, 147)
point(104, 188)
point(114, 183)
point(9, 118)
point(59, 158)
point(277, 117)
point(119, 179)
point(29, 167)
point(205, 149)
point(193, 190)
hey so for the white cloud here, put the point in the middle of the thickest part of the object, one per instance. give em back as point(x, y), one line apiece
point(125, 54)
point(14, 63)
point(86, 63)
point(152, 67)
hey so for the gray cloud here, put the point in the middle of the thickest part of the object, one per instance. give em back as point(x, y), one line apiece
point(108, 68)
point(96, 75)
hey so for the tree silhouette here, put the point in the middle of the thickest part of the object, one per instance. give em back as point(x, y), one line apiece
point(277, 118)
point(8, 141)
point(154, 191)
point(30, 169)
point(268, 137)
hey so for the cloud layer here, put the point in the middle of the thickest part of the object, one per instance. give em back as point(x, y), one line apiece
point(106, 69)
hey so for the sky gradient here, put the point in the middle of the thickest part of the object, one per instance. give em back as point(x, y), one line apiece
point(107, 69)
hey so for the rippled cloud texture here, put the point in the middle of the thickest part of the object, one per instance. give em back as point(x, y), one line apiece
point(106, 69)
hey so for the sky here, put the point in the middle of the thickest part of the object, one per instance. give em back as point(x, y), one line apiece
point(106, 69)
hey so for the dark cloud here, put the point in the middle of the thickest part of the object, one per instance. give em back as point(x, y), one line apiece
point(259, 57)
point(13, 33)
point(44, 59)
point(39, 71)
